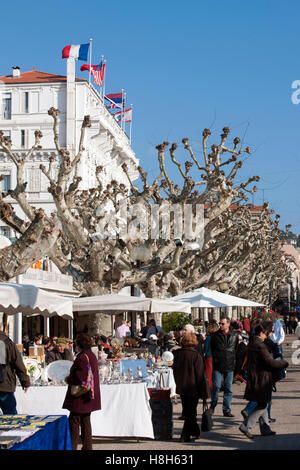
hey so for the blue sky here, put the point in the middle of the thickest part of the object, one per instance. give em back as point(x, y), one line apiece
point(184, 66)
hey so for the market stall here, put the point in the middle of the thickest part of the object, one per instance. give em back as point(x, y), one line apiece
point(111, 303)
point(29, 300)
point(207, 298)
point(27, 432)
point(125, 409)
point(124, 384)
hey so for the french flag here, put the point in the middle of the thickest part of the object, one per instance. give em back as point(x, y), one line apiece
point(79, 52)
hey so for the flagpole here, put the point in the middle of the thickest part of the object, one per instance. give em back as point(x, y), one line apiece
point(91, 40)
point(124, 107)
point(101, 86)
point(122, 110)
point(130, 125)
point(103, 81)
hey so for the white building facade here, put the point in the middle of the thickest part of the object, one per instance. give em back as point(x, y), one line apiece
point(26, 98)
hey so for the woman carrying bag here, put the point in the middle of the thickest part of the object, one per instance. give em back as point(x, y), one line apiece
point(260, 366)
point(191, 384)
point(83, 394)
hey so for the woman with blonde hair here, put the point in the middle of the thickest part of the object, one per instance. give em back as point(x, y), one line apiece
point(188, 368)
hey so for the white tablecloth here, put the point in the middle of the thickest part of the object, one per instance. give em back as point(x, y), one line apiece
point(125, 409)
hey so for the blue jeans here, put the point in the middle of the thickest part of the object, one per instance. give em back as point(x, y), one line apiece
point(252, 404)
point(8, 403)
point(217, 382)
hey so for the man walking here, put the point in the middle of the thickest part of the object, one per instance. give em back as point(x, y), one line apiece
point(223, 346)
point(11, 366)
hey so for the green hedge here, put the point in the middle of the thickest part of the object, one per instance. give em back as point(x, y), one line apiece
point(174, 321)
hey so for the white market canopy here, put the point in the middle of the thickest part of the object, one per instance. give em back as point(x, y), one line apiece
point(207, 298)
point(30, 300)
point(112, 303)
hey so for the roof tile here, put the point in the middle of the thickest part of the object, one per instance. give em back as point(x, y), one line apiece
point(35, 76)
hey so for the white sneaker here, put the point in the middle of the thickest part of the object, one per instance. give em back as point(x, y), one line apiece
point(245, 431)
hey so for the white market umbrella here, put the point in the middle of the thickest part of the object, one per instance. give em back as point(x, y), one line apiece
point(169, 305)
point(112, 303)
point(207, 298)
point(30, 300)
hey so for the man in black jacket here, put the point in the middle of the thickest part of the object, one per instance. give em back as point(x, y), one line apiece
point(11, 366)
point(223, 346)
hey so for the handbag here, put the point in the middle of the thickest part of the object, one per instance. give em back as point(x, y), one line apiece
point(78, 390)
point(241, 375)
point(207, 421)
point(86, 386)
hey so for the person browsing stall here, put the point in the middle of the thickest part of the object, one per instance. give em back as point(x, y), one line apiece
point(11, 367)
point(82, 406)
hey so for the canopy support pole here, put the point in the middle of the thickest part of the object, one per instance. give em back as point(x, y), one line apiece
point(70, 329)
point(17, 326)
point(46, 326)
point(112, 320)
point(229, 312)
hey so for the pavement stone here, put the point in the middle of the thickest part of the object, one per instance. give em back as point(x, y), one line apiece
point(225, 434)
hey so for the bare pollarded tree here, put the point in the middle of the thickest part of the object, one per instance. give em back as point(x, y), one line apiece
point(79, 238)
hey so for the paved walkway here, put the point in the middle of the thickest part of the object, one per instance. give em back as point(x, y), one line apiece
point(225, 434)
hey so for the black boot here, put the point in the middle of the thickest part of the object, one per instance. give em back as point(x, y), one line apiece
point(265, 429)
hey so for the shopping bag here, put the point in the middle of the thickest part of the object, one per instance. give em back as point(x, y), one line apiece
point(86, 386)
point(207, 421)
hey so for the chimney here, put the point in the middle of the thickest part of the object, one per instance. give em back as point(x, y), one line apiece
point(16, 72)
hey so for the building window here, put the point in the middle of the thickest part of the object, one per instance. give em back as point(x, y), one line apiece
point(22, 138)
point(25, 102)
point(7, 135)
point(6, 106)
point(5, 184)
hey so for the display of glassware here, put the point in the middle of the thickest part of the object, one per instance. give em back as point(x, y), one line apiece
point(129, 375)
point(115, 378)
point(45, 383)
point(110, 371)
point(103, 373)
point(139, 374)
point(122, 378)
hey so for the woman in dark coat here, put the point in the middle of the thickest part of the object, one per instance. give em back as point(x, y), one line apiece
point(82, 406)
point(188, 368)
point(259, 381)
